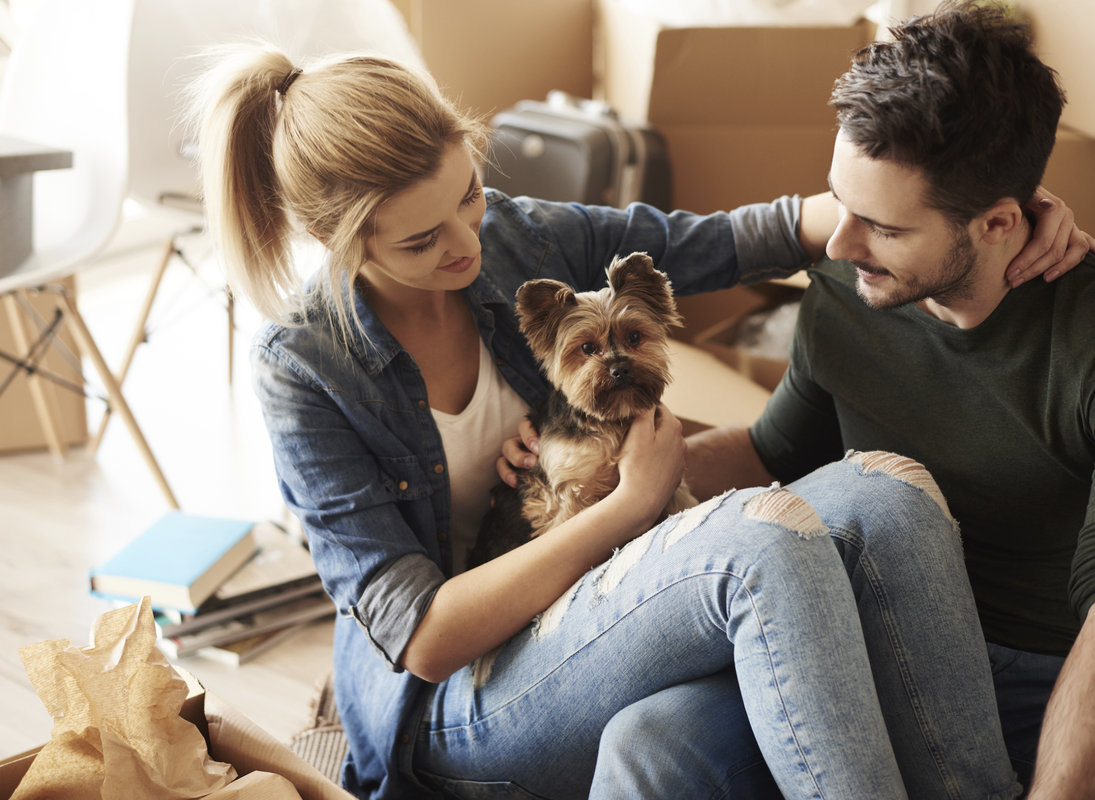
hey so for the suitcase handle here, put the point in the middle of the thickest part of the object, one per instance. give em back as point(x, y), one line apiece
point(558, 100)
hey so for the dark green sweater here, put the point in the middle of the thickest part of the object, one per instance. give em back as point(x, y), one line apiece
point(1002, 414)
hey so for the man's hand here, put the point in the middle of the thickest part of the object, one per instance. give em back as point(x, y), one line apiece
point(1056, 246)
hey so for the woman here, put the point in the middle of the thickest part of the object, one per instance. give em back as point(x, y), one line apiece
point(387, 389)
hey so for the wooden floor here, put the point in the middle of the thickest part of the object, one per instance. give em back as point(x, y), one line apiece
point(58, 519)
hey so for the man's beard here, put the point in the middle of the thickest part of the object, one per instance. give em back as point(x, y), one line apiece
point(953, 281)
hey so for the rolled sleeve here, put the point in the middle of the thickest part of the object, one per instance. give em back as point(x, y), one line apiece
point(767, 240)
point(394, 603)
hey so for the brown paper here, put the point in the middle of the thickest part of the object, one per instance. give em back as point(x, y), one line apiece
point(117, 732)
point(258, 786)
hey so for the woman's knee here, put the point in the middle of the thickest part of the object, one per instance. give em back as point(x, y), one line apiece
point(740, 515)
point(752, 530)
point(878, 490)
point(903, 469)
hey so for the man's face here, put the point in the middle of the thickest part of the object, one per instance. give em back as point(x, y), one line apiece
point(903, 250)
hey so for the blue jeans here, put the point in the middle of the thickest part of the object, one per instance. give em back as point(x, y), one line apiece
point(738, 650)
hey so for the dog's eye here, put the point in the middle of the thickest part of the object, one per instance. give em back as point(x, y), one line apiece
point(589, 348)
point(634, 338)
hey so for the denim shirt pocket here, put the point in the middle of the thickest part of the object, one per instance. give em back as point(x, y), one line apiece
point(403, 477)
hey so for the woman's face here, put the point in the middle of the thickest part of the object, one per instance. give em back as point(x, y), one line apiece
point(427, 236)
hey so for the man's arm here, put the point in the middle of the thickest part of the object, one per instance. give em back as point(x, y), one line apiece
point(724, 458)
point(1065, 768)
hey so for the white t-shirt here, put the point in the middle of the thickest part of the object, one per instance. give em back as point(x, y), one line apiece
point(473, 441)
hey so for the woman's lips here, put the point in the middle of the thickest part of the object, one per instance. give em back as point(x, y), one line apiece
point(460, 265)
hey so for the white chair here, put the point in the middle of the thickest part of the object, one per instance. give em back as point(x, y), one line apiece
point(162, 172)
point(65, 86)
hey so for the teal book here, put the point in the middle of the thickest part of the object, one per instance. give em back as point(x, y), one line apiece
point(179, 562)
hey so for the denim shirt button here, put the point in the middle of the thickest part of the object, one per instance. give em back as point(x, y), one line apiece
point(442, 537)
point(498, 361)
point(422, 404)
point(439, 468)
point(404, 738)
point(403, 486)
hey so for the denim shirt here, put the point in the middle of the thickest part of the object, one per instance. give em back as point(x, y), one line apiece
point(360, 461)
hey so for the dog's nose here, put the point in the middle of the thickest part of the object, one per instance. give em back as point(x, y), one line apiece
point(621, 371)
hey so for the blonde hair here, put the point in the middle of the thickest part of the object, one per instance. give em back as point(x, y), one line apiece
point(348, 132)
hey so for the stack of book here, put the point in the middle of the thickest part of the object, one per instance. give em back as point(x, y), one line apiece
point(223, 589)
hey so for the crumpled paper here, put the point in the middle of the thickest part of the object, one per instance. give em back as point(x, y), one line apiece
point(117, 732)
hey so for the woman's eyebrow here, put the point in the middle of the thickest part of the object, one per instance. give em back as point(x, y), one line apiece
point(415, 236)
point(424, 234)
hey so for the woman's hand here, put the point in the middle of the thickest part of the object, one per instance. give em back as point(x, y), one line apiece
point(520, 452)
point(1056, 246)
point(652, 461)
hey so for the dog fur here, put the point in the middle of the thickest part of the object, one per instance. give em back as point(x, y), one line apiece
point(606, 355)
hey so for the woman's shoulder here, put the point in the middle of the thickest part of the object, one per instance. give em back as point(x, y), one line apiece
point(308, 324)
point(530, 238)
point(311, 345)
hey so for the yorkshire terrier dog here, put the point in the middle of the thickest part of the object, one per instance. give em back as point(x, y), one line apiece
point(606, 355)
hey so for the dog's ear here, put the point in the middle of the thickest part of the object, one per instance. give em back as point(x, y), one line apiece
point(541, 306)
point(634, 277)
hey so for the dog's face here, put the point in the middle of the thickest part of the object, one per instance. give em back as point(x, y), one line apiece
point(607, 351)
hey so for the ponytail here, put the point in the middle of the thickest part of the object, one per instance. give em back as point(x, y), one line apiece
point(285, 150)
point(238, 99)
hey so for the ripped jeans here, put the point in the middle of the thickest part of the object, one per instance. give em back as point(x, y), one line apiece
point(754, 646)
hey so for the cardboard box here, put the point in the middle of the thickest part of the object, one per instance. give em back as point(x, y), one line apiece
point(232, 738)
point(723, 339)
point(1070, 174)
point(704, 311)
point(489, 54)
point(705, 393)
point(744, 110)
point(19, 426)
point(1062, 33)
point(14, 768)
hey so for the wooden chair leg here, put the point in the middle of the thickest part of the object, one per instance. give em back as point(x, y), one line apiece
point(43, 393)
point(139, 335)
point(114, 392)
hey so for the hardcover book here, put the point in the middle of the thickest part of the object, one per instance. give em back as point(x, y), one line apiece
point(238, 653)
point(281, 570)
point(304, 609)
point(279, 563)
point(179, 562)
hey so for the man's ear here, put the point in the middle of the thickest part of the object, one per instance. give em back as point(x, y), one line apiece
point(1000, 222)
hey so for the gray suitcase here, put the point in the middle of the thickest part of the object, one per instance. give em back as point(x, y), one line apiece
point(577, 150)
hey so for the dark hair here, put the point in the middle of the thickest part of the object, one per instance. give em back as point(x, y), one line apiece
point(960, 95)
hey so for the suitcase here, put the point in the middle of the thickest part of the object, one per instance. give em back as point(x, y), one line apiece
point(577, 150)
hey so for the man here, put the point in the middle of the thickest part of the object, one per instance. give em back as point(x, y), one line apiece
point(911, 340)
